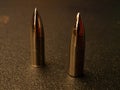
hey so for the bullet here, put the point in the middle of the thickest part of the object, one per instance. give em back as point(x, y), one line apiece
point(77, 49)
point(37, 41)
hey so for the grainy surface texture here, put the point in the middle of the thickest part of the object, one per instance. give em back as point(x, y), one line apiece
point(102, 58)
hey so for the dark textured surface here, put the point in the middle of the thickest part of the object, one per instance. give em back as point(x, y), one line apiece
point(102, 62)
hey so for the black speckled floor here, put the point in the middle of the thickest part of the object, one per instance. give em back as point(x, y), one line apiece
point(102, 62)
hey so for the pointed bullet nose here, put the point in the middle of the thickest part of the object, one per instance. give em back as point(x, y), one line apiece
point(79, 25)
point(37, 22)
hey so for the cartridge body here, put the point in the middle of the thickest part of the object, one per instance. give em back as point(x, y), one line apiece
point(77, 49)
point(37, 41)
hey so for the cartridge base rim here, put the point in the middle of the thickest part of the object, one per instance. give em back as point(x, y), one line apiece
point(76, 76)
point(37, 66)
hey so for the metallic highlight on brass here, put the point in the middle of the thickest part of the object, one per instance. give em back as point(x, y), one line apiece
point(77, 49)
point(37, 41)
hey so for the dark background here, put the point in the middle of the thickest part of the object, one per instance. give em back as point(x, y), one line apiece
point(101, 19)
